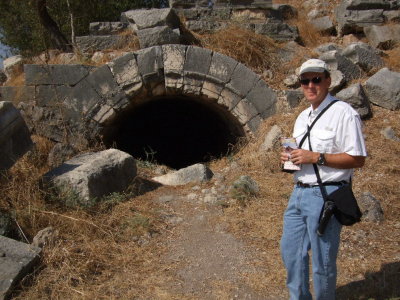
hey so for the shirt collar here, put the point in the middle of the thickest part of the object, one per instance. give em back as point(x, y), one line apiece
point(328, 99)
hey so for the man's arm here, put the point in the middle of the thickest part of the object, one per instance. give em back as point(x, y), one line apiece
point(338, 161)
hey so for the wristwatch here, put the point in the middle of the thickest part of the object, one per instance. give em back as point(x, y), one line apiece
point(321, 160)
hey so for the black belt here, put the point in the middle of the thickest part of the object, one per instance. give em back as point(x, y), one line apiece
point(306, 185)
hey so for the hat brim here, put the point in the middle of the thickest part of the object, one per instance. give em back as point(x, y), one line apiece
point(313, 70)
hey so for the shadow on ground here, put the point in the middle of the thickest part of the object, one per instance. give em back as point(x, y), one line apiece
point(382, 285)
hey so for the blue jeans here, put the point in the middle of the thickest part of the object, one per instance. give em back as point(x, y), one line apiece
point(300, 236)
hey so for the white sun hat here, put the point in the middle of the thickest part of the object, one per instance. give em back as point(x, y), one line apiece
point(314, 65)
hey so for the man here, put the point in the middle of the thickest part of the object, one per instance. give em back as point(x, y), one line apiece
point(337, 148)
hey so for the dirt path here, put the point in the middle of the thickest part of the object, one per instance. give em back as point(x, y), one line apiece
point(208, 261)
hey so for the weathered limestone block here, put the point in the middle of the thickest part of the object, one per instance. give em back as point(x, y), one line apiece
point(371, 208)
point(92, 43)
point(293, 97)
point(353, 15)
point(221, 67)
point(126, 73)
point(55, 74)
point(150, 64)
point(324, 24)
point(15, 139)
point(174, 60)
point(238, 85)
point(228, 99)
point(271, 138)
point(337, 61)
point(244, 111)
point(147, 18)
point(197, 64)
point(383, 89)
point(160, 35)
point(277, 30)
point(204, 26)
point(195, 173)
point(92, 176)
point(383, 37)
point(106, 28)
point(263, 98)
point(355, 96)
point(363, 55)
point(16, 261)
point(17, 94)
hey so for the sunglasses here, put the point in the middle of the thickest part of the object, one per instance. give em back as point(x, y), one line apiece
point(315, 80)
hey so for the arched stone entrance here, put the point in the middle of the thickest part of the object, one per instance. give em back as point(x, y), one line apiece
point(172, 100)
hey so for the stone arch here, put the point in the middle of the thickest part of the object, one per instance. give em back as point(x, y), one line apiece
point(229, 98)
point(188, 78)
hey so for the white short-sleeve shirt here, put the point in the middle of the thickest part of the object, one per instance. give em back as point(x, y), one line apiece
point(338, 130)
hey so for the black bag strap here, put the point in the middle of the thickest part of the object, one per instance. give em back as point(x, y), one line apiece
point(315, 120)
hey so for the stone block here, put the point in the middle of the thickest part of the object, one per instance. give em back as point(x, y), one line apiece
point(228, 99)
point(197, 61)
point(263, 98)
point(277, 30)
point(337, 61)
point(81, 99)
point(240, 86)
point(221, 67)
point(17, 260)
point(15, 139)
point(383, 89)
point(148, 18)
point(106, 28)
point(160, 35)
point(91, 176)
point(355, 96)
point(93, 43)
point(353, 21)
point(17, 94)
point(193, 174)
point(126, 73)
point(51, 95)
point(150, 64)
point(55, 74)
point(244, 111)
point(363, 55)
point(383, 37)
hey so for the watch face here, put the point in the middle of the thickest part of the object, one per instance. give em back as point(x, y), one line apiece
point(321, 160)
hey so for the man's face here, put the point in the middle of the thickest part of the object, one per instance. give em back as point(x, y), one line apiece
point(316, 89)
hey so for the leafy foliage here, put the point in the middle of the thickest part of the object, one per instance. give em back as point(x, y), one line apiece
point(20, 27)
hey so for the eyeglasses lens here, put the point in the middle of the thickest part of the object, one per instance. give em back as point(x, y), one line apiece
point(314, 80)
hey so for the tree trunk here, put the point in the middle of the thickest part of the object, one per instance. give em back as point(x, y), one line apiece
point(58, 39)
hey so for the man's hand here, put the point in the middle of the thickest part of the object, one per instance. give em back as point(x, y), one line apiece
point(301, 156)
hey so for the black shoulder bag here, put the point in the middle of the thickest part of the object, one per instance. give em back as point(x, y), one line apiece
point(342, 202)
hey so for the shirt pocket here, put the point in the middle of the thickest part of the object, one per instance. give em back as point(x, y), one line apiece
point(323, 140)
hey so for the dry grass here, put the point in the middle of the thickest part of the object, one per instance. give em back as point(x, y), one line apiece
point(114, 250)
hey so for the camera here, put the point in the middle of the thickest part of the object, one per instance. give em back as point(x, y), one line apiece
point(327, 211)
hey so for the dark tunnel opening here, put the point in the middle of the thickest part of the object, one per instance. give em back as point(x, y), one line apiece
point(175, 131)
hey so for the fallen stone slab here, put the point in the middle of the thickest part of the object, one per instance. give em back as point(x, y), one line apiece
point(383, 37)
point(383, 89)
point(160, 35)
point(355, 96)
point(194, 173)
point(15, 138)
point(91, 176)
point(17, 259)
point(363, 55)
